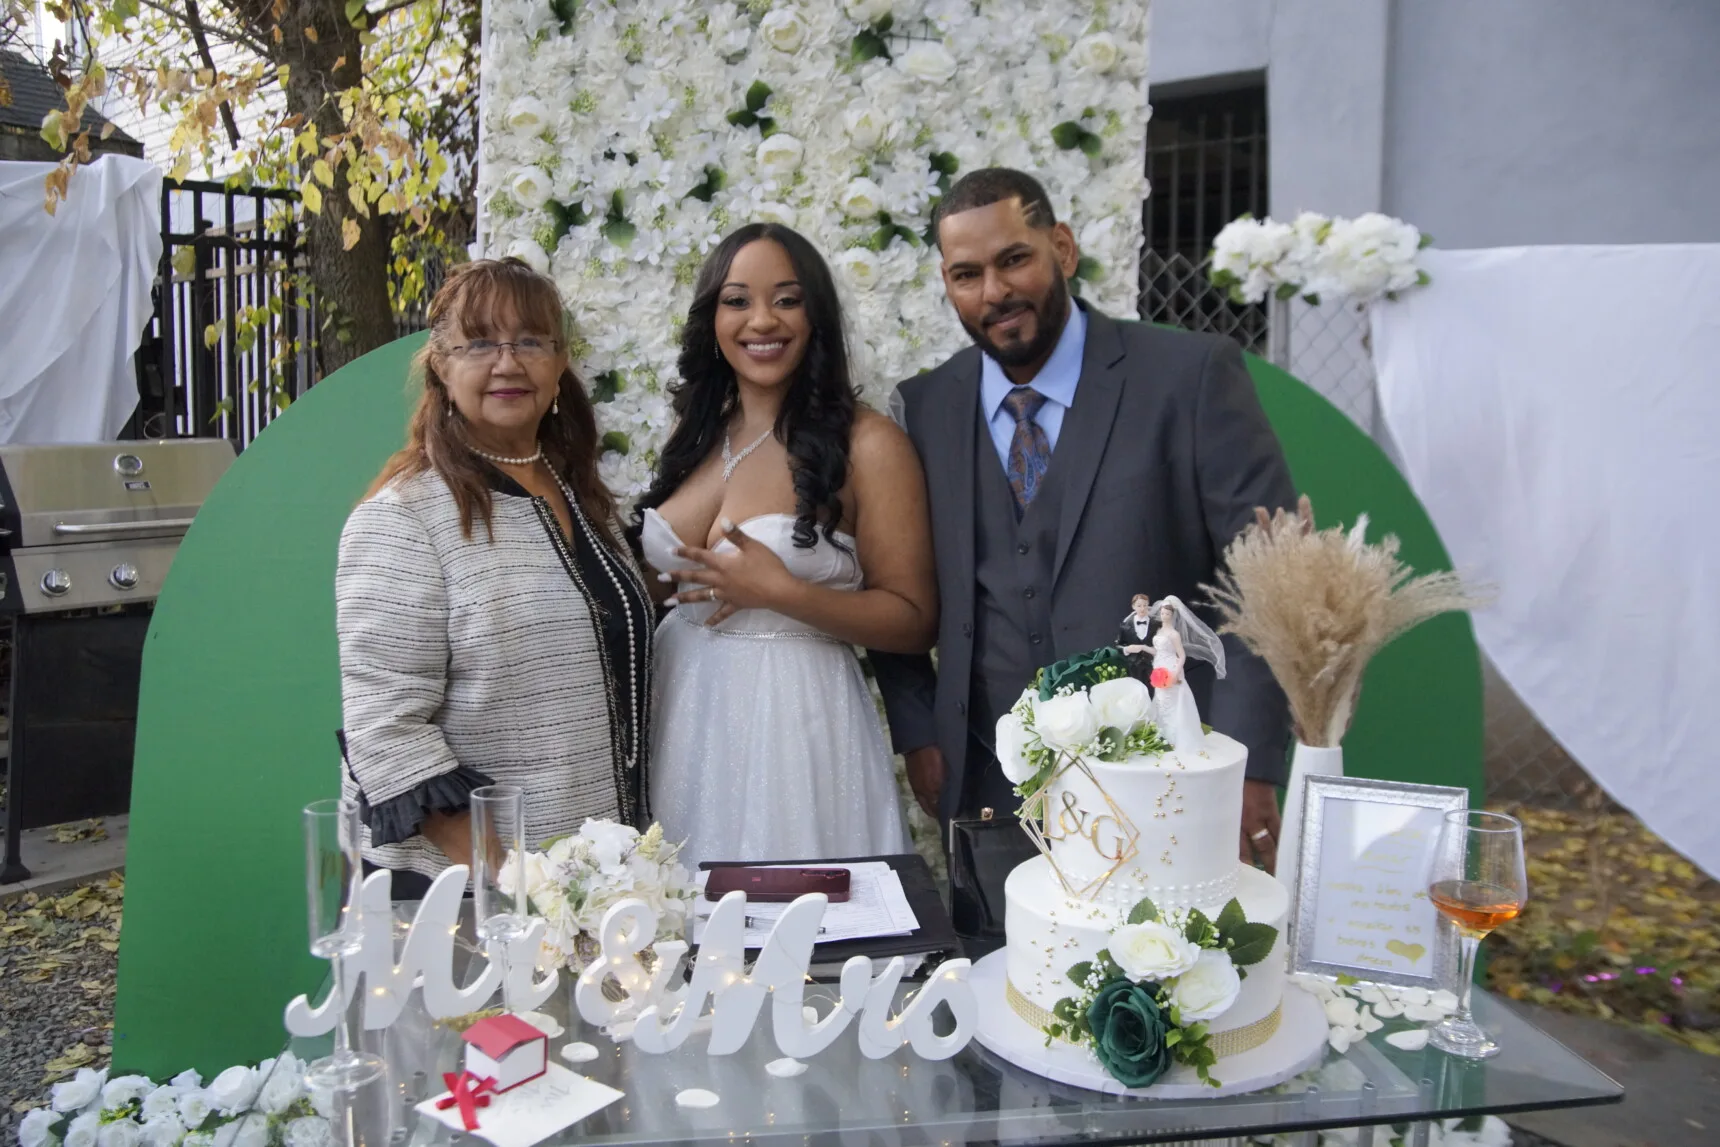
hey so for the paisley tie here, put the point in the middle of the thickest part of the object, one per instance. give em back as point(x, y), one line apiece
point(1029, 449)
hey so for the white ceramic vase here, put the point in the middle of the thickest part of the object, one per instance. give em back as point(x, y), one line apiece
point(1306, 761)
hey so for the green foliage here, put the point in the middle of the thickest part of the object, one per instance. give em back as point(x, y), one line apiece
point(1143, 911)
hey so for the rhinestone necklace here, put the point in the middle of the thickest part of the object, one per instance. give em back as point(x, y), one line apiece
point(731, 459)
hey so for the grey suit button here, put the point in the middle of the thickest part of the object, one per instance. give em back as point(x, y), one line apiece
point(1022, 547)
point(1029, 592)
point(1034, 638)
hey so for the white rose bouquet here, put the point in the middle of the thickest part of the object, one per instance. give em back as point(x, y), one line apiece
point(1362, 259)
point(1144, 1002)
point(262, 1106)
point(576, 879)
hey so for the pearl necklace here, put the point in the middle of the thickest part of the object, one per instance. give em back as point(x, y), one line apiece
point(500, 460)
point(639, 718)
point(731, 460)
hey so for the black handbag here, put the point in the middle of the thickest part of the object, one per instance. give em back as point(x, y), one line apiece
point(983, 851)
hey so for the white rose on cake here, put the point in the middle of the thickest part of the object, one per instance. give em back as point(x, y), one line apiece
point(1207, 990)
point(1066, 723)
point(1121, 703)
point(1013, 741)
point(1152, 951)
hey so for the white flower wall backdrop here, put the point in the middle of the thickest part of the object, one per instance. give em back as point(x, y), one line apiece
point(624, 138)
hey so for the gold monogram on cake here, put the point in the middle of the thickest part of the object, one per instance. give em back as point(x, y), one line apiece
point(1110, 832)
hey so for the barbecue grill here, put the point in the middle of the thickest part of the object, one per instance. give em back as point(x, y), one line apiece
point(87, 533)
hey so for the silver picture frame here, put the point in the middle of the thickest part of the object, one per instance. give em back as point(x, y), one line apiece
point(1305, 949)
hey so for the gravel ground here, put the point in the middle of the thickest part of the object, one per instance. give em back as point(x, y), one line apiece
point(57, 959)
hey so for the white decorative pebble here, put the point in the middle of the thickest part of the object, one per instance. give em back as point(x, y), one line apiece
point(543, 1023)
point(809, 1014)
point(1413, 1040)
point(785, 1068)
point(1423, 1013)
point(579, 1052)
point(696, 1097)
point(1444, 1000)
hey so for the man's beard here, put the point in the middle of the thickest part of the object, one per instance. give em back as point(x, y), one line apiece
point(1049, 314)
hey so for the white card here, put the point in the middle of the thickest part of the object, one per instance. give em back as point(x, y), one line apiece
point(531, 1112)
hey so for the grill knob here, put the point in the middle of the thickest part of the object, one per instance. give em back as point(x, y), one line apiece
point(56, 583)
point(124, 576)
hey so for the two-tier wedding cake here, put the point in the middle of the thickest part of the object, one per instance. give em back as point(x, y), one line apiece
point(1137, 936)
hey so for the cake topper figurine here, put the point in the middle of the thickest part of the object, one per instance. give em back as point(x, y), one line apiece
point(1135, 637)
point(1181, 635)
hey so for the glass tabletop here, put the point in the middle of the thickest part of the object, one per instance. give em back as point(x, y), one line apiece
point(844, 1098)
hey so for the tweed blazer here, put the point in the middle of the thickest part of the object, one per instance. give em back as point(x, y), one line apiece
point(467, 661)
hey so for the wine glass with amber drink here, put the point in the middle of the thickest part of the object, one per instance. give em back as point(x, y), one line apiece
point(1478, 882)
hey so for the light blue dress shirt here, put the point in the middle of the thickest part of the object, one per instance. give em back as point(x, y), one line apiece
point(1056, 380)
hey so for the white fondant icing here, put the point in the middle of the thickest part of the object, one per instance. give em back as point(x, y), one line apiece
point(1184, 812)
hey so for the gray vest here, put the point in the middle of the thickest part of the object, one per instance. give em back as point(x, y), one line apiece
point(1012, 575)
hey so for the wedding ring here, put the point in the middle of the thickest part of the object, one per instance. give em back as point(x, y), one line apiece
point(1261, 835)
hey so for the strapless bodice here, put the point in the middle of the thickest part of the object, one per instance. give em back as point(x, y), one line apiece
point(823, 564)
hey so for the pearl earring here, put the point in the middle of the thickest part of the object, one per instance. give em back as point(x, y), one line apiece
point(555, 406)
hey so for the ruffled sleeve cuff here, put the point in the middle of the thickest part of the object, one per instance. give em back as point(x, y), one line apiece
point(399, 818)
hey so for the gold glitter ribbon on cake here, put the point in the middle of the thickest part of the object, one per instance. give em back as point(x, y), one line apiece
point(1232, 1042)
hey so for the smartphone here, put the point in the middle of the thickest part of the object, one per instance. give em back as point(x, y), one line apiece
point(777, 885)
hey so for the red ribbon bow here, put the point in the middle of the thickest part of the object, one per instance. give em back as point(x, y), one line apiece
point(470, 1092)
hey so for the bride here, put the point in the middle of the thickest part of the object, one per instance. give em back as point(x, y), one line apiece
point(793, 524)
point(1181, 635)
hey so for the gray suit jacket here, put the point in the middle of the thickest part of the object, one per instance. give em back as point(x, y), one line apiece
point(1165, 454)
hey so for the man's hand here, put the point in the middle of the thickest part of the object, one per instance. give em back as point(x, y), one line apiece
point(1260, 823)
point(926, 777)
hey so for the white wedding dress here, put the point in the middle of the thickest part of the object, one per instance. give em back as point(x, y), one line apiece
point(1178, 716)
point(766, 744)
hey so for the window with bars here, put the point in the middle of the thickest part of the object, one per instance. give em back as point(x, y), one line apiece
point(1206, 164)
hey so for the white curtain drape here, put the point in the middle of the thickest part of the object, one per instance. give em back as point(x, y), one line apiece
point(1557, 410)
point(74, 298)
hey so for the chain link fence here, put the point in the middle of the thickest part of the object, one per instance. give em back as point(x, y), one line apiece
point(1326, 346)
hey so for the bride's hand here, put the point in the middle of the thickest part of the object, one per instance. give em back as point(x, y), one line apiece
point(749, 577)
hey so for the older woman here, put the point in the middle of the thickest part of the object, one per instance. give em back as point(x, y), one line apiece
point(493, 626)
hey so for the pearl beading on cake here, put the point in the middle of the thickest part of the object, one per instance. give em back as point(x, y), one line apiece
point(1121, 894)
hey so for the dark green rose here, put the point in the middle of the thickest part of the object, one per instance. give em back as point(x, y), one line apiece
point(1129, 1032)
point(1083, 671)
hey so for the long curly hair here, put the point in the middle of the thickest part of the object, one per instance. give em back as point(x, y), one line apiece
point(817, 413)
point(467, 304)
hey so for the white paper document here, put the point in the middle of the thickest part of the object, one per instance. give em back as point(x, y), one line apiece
point(876, 906)
point(531, 1112)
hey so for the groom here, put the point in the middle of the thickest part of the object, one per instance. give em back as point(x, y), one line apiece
point(1071, 460)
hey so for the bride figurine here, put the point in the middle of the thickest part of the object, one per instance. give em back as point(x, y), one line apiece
point(1181, 635)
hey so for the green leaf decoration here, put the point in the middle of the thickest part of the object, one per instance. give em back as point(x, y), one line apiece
point(945, 163)
point(767, 127)
point(1286, 291)
point(620, 232)
point(1422, 278)
point(1251, 943)
point(757, 95)
point(1199, 929)
point(1067, 135)
point(1088, 269)
point(606, 386)
point(1108, 969)
point(1173, 1037)
point(884, 24)
point(617, 441)
point(868, 45)
point(1091, 145)
point(565, 217)
point(707, 189)
point(1143, 911)
point(742, 118)
point(1232, 917)
point(565, 11)
point(1064, 1009)
point(1081, 971)
point(1311, 300)
point(1426, 241)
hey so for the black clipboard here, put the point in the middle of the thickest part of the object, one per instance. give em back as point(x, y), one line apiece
point(935, 939)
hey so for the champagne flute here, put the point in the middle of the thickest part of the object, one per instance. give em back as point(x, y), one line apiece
point(1478, 882)
point(334, 874)
point(498, 872)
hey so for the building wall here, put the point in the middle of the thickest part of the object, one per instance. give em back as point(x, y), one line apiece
point(1484, 123)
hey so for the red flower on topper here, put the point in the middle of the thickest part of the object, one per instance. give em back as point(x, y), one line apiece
point(469, 1092)
point(1160, 678)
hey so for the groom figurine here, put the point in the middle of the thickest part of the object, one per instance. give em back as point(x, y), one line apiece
point(1070, 460)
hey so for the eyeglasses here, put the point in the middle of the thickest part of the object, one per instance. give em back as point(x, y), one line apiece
point(528, 349)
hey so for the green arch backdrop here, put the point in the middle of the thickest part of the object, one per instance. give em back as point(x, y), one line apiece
point(241, 696)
